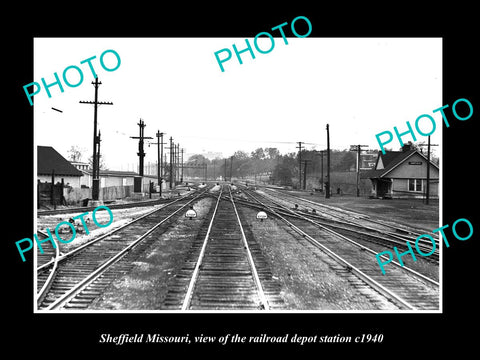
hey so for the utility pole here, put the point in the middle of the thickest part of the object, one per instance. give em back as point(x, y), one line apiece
point(172, 150)
point(96, 141)
point(141, 152)
point(160, 159)
point(358, 149)
point(327, 185)
point(231, 165)
point(225, 168)
point(299, 147)
point(165, 162)
point(99, 140)
point(305, 174)
point(177, 168)
point(427, 199)
point(427, 195)
point(181, 176)
point(321, 176)
point(175, 163)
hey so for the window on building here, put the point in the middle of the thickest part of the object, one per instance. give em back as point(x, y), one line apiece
point(415, 185)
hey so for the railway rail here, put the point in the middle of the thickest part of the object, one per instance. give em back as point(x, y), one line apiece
point(350, 216)
point(47, 258)
point(225, 270)
point(111, 205)
point(406, 288)
point(75, 279)
point(349, 222)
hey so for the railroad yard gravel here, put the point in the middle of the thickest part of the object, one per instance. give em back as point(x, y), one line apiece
point(385, 210)
point(145, 286)
point(411, 212)
point(120, 217)
point(307, 277)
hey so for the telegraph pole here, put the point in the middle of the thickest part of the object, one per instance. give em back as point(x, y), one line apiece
point(177, 163)
point(358, 149)
point(138, 182)
point(172, 149)
point(327, 185)
point(165, 162)
point(321, 176)
point(160, 159)
point(225, 168)
point(99, 140)
point(181, 176)
point(231, 165)
point(141, 152)
point(299, 147)
point(427, 195)
point(305, 174)
point(174, 165)
point(427, 199)
point(96, 141)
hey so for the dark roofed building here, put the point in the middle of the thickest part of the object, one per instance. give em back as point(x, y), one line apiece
point(50, 161)
point(403, 174)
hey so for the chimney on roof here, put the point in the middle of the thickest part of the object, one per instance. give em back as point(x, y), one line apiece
point(407, 147)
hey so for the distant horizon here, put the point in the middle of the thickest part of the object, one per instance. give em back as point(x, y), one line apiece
point(134, 166)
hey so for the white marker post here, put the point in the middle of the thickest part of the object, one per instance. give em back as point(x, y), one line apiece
point(191, 214)
point(262, 215)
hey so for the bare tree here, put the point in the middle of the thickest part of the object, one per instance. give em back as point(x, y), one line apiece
point(76, 153)
point(101, 166)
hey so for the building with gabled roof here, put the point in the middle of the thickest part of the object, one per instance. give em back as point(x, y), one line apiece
point(403, 174)
point(51, 163)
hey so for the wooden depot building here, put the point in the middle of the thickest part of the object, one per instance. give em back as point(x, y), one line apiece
point(403, 174)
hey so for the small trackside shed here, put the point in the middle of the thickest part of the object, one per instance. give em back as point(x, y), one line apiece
point(403, 174)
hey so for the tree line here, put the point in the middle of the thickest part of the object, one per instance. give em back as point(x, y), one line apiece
point(268, 163)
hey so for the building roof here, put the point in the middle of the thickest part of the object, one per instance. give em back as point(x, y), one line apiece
point(117, 173)
point(78, 163)
point(48, 160)
point(390, 160)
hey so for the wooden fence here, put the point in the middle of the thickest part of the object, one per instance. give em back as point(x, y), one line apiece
point(64, 195)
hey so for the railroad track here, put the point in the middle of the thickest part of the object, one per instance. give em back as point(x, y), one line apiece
point(224, 270)
point(346, 216)
point(404, 287)
point(75, 279)
point(113, 205)
point(46, 258)
point(348, 222)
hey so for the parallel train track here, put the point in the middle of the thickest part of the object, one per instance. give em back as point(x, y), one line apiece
point(406, 288)
point(75, 279)
point(362, 226)
point(225, 270)
point(353, 217)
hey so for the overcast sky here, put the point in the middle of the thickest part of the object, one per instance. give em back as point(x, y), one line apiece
point(360, 86)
